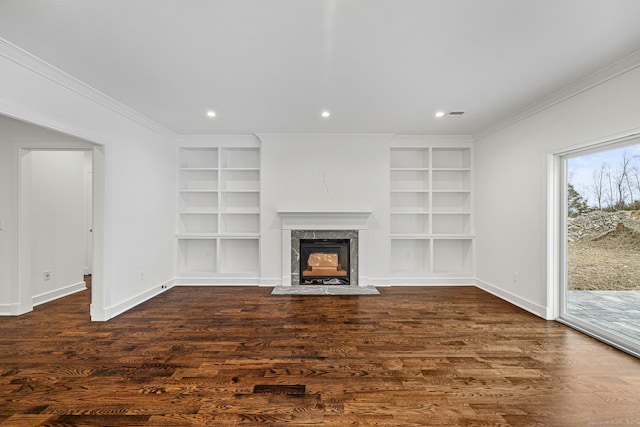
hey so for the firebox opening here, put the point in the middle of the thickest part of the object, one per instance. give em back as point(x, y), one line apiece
point(324, 262)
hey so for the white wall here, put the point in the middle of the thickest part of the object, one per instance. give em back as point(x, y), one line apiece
point(511, 184)
point(324, 173)
point(140, 164)
point(58, 213)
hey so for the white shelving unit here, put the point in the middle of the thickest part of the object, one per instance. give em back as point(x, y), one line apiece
point(218, 226)
point(431, 210)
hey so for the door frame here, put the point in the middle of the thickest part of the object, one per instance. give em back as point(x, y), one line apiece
point(557, 236)
point(22, 296)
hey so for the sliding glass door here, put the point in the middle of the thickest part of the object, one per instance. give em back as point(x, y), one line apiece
point(600, 286)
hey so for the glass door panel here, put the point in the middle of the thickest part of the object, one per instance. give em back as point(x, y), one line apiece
point(601, 285)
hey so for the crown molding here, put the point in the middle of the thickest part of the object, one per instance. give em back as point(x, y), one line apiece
point(326, 137)
point(32, 63)
point(194, 140)
point(431, 139)
point(601, 76)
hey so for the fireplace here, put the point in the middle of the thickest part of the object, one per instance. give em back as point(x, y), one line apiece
point(334, 228)
point(324, 262)
point(335, 250)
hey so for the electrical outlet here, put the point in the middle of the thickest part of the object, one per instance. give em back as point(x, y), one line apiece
point(516, 277)
point(47, 275)
point(141, 276)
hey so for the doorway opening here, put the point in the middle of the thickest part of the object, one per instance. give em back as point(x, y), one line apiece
point(55, 224)
point(41, 238)
point(599, 241)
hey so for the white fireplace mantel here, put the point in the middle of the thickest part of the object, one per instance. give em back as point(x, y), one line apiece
point(327, 220)
point(306, 220)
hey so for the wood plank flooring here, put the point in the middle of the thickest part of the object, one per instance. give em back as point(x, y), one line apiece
point(197, 356)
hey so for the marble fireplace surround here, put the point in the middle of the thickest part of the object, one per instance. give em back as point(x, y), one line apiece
point(298, 225)
point(297, 235)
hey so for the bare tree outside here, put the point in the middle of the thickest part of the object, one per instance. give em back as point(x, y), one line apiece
point(604, 221)
point(597, 186)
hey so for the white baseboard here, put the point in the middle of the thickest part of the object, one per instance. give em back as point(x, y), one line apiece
point(431, 281)
point(219, 281)
point(379, 282)
point(115, 310)
point(97, 314)
point(13, 310)
point(270, 281)
point(58, 293)
point(524, 304)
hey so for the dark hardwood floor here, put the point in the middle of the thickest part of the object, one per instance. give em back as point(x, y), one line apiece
point(199, 356)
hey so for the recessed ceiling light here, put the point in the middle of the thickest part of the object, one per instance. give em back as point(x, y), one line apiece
point(439, 114)
point(325, 114)
point(211, 113)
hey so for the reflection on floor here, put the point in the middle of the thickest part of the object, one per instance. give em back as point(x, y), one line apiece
point(618, 311)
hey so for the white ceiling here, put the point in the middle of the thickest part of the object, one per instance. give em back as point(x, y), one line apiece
point(272, 66)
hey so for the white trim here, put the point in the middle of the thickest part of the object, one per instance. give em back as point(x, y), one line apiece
point(553, 238)
point(23, 58)
point(226, 141)
point(101, 275)
point(217, 281)
point(24, 286)
point(598, 144)
point(601, 76)
point(429, 281)
point(556, 218)
point(286, 258)
point(117, 309)
point(557, 238)
point(431, 140)
point(326, 137)
point(98, 314)
point(306, 220)
point(270, 281)
point(524, 304)
point(14, 309)
point(379, 282)
point(58, 293)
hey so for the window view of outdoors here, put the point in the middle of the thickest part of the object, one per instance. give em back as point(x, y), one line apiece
point(603, 248)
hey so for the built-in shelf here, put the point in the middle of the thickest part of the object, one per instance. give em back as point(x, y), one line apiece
point(197, 256)
point(410, 256)
point(203, 180)
point(431, 223)
point(410, 180)
point(452, 256)
point(451, 157)
point(199, 157)
point(218, 226)
point(191, 223)
point(409, 157)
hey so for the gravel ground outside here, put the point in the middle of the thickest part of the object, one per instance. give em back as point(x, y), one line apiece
point(611, 262)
